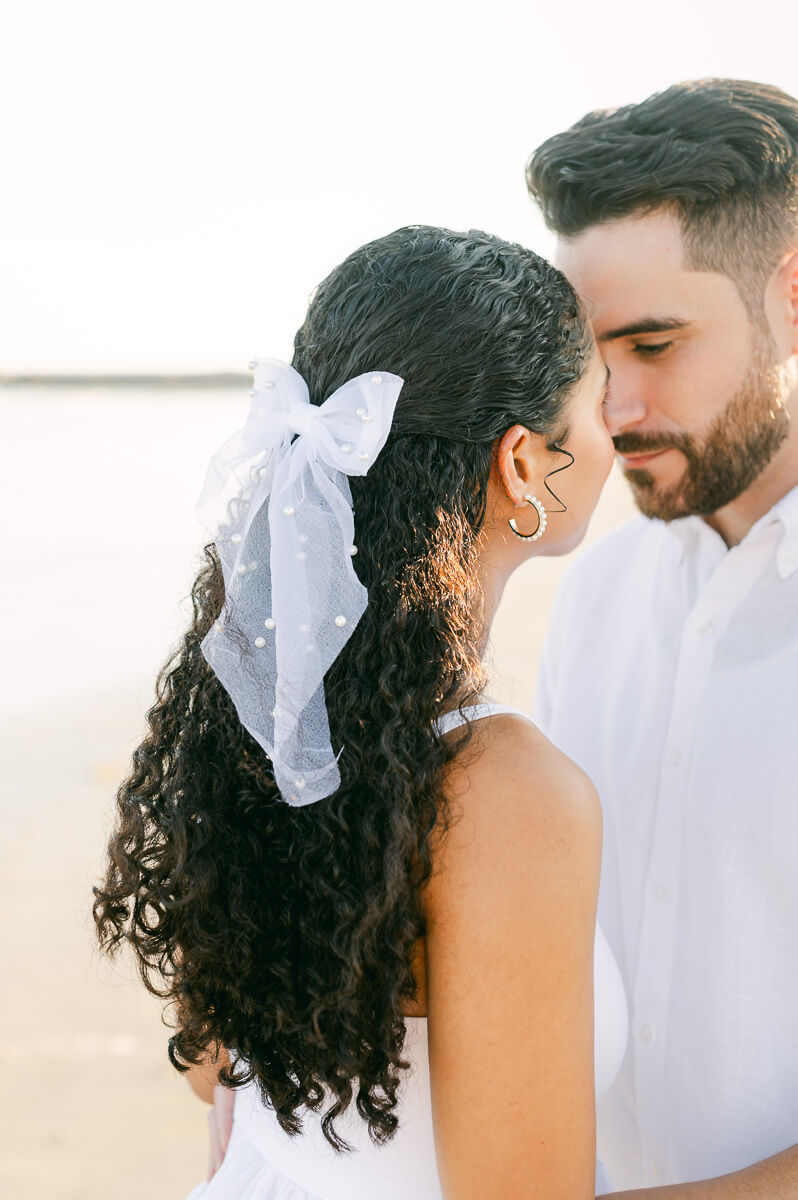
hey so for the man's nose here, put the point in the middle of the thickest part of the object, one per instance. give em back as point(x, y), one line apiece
point(625, 407)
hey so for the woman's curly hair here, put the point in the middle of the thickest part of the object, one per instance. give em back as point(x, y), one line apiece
point(286, 934)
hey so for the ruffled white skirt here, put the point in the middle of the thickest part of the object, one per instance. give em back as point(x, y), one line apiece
point(265, 1163)
point(246, 1175)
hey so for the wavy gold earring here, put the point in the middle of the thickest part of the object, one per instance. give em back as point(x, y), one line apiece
point(542, 521)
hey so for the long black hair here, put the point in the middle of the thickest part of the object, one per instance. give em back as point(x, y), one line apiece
point(287, 934)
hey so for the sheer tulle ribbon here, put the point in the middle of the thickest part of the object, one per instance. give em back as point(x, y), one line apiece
point(277, 500)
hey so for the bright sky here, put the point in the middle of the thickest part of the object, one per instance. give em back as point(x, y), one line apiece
point(177, 176)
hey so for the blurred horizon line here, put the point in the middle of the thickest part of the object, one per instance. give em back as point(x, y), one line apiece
point(132, 379)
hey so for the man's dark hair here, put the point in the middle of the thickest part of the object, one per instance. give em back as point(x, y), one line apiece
point(721, 153)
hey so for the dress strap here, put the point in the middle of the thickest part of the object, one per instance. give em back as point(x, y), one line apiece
point(474, 712)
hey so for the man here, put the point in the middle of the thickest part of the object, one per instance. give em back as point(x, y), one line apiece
point(671, 670)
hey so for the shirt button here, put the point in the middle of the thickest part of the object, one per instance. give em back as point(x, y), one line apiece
point(706, 629)
point(661, 892)
point(674, 756)
point(647, 1035)
point(789, 560)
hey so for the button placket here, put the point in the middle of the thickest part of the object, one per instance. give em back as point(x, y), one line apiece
point(720, 597)
point(658, 921)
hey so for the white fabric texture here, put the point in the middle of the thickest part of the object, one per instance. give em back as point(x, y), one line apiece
point(263, 1163)
point(276, 499)
point(670, 675)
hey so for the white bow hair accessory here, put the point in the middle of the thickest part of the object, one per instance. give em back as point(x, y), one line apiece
point(280, 511)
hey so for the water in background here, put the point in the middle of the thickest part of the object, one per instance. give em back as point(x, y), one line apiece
point(100, 543)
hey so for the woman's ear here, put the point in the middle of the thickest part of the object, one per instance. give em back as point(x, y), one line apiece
point(520, 460)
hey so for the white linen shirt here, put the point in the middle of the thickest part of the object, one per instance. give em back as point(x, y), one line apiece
point(670, 674)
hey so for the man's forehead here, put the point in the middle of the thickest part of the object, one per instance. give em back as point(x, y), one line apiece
point(631, 277)
point(620, 247)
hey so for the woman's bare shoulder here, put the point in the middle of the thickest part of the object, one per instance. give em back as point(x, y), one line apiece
point(510, 916)
point(524, 818)
point(511, 771)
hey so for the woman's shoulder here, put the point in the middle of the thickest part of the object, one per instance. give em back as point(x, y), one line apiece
point(510, 912)
point(510, 769)
point(523, 816)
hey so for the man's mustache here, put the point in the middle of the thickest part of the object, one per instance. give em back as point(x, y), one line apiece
point(641, 443)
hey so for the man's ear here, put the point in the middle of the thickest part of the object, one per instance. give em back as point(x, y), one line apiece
point(794, 299)
point(787, 281)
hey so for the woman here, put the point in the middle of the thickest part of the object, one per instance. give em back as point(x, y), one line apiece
point(402, 969)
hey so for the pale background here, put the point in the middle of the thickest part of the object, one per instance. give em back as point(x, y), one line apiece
point(176, 178)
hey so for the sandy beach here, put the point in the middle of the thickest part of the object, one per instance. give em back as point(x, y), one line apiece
point(98, 560)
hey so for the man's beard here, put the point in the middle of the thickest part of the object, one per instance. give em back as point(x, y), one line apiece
point(740, 443)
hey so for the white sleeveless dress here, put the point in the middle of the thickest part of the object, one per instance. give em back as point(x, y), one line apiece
point(264, 1163)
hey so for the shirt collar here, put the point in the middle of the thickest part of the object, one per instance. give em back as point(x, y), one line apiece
point(692, 532)
point(692, 535)
point(787, 512)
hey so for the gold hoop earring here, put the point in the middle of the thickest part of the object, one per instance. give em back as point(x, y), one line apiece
point(542, 521)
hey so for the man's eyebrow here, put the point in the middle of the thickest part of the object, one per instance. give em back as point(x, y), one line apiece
point(646, 325)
